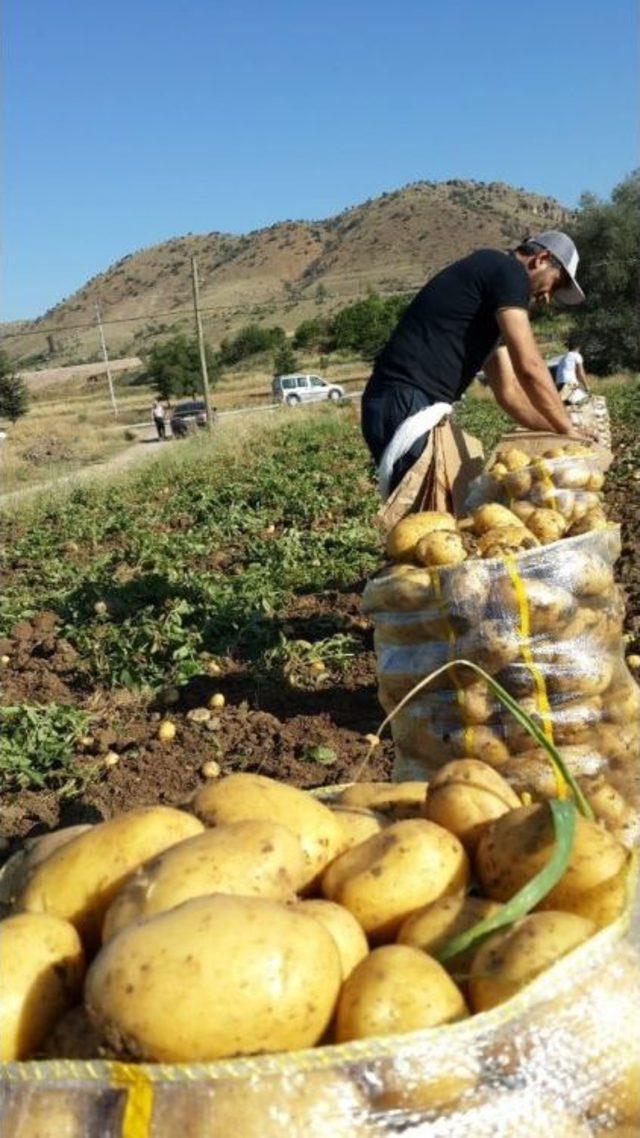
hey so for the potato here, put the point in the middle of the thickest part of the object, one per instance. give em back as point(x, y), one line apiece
point(583, 675)
point(518, 483)
point(465, 591)
point(514, 458)
point(493, 516)
point(505, 540)
point(492, 645)
point(302, 1104)
point(267, 976)
point(572, 474)
point(594, 519)
point(394, 873)
point(396, 989)
point(465, 796)
point(405, 535)
point(79, 881)
point(41, 971)
point(585, 574)
point(622, 703)
point(411, 628)
point(251, 859)
point(518, 844)
point(397, 799)
point(39, 1109)
point(16, 870)
point(350, 940)
point(399, 588)
point(357, 824)
point(440, 548)
point(547, 525)
point(431, 1083)
point(476, 702)
point(430, 928)
point(572, 723)
point(512, 958)
point(549, 606)
point(522, 509)
point(596, 481)
point(507, 1114)
point(248, 797)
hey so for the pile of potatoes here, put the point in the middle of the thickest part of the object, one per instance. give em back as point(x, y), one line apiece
point(292, 921)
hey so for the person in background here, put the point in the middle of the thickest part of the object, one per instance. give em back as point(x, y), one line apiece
point(472, 315)
point(158, 416)
point(570, 377)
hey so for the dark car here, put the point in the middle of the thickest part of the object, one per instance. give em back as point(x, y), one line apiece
point(187, 416)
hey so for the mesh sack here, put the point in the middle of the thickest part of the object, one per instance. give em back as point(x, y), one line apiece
point(562, 1055)
point(571, 485)
point(547, 624)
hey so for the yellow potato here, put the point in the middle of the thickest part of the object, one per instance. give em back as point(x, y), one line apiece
point(522, 510)
point(465, 591)
point(549, 607)
point(405, 535)
point(392, 874)
point(357, 823)
point(266, 976)
point(547, 525)
point(41, 971)
point(493, 644)
point(579, 675)
point(440, 548)
point(507, 1114)
point(514, 458)
point(505, 540)
point(465, 796)
point(430, 928)
point(20, 865)
point(347, 933)
point(493, 516)
point(248, 797)
point(431, 1081)
point(251, 859)
point(396, 989)
point(399, 588)
point(518, 844)
point(594, 519)
point(79, 881)
point(397, 799)
point(512, 958)
point(518, 483)
point(586, 574)
point(575, 475)
point(622, 703)
point(596, 481)
point(476, 702)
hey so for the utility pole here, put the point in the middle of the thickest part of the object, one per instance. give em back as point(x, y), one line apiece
point(107, 365)
point(203, 357)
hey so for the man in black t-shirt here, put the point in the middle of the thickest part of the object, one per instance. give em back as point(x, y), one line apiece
point(472, 315)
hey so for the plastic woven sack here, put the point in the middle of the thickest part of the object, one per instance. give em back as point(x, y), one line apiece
point(547, 624)
point(562, 1056)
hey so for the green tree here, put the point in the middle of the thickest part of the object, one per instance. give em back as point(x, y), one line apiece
point(284, 360)
point(310, 333)
point(249, 341)
point(173, 367)
point(366, 325)
point(14, 393)
point(607, 234)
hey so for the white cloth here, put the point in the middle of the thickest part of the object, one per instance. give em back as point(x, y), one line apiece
point(405, 436)
point(157, 411)
point(566, 368)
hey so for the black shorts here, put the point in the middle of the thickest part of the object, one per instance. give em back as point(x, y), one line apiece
point(384, 407)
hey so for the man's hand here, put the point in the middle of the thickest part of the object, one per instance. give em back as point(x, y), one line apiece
point(531, 373)
point(511, 395)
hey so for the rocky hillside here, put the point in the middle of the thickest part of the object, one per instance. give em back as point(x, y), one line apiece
point(286, 272)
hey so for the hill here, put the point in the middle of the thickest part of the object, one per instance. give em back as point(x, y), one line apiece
point(286, 272)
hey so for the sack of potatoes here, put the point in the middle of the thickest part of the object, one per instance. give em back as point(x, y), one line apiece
point(265, 920)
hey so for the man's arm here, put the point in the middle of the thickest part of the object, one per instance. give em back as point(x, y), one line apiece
point(530, 371)
point(510, 395)
point(582, 375)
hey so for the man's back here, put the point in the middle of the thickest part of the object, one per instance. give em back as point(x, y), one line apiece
point(449, 329)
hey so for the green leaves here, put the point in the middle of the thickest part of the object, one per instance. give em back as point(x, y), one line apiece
point(37, 747)
point(564, 822)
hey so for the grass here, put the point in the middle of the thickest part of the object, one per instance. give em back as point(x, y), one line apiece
point(38, 748)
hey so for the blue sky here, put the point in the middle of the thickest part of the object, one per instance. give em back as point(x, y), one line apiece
point(129, 123)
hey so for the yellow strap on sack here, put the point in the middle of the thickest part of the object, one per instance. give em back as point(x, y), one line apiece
point(138, 1108)
point(524, 636)
point(468, 734)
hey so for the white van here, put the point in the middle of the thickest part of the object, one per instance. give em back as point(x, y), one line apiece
point(294, 389)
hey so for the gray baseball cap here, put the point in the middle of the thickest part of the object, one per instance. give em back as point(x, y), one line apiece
point(563, 249)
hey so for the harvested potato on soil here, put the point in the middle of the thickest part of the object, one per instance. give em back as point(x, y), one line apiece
point(465, 796)
point(41, 972)
point(398, 799)
point(405, 535)
point(268, 977)
point(351, 942)
point(247, 797)
point(394, 873)
point(396, 988)
point(430, 928)
point(517, 845)
point(79, 881)
point(251, 859)
point(514, 957)
point(440, 548)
